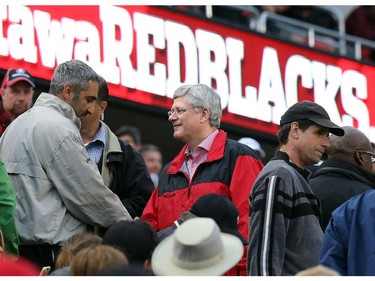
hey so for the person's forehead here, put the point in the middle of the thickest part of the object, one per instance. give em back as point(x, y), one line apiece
point(152, 153)
point(128, 137)
point(180, 101)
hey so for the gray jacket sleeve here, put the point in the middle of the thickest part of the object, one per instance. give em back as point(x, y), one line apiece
point(81, 187)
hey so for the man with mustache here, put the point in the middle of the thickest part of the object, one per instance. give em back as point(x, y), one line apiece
point(122, 167)
point(58, 188)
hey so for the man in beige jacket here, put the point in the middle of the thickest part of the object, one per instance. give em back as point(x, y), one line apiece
point(58, 188)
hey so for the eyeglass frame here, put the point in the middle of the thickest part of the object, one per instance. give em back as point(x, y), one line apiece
point(372, 154)
point(179, 111)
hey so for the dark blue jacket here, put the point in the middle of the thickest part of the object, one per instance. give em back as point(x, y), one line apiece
point(349, 240)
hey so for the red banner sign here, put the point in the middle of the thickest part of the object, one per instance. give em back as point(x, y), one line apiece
point(146, 52)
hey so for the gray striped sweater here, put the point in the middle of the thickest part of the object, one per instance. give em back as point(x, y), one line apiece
point(284, 226)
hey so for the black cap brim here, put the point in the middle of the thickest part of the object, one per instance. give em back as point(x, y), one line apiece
point(333, 128)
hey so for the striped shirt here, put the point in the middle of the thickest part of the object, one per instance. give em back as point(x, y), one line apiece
point(95, 147)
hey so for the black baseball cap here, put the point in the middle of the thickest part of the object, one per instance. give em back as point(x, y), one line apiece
point(136, 239)
point(221, 210)
point(313, 112)
point(15, 75)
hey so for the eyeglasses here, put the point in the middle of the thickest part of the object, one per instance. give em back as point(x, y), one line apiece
point(179, 111)
point(367, 152)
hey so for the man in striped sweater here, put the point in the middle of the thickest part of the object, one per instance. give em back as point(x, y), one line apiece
point(285, 232)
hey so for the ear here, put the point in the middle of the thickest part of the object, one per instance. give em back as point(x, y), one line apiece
point(294, 130)
point(358, 158)
point(103, 105)
point(67, 92)
point(205, 115)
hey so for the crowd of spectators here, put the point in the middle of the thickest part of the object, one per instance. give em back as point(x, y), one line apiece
point(344, 20)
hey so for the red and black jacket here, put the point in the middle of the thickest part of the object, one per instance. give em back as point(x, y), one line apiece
point(230, 169)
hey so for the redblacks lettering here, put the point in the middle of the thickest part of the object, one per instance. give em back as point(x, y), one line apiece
point(147, 52)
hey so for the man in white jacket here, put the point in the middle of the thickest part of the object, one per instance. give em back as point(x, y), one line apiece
point(58, 188)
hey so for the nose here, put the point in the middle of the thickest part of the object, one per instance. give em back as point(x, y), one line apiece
point(21, 96)
point(325, 142)
point(90, 109)
point(172, 117)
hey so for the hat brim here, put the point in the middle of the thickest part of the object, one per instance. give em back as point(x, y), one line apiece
point(333, 128)
point(14, 81)
point(162, 259)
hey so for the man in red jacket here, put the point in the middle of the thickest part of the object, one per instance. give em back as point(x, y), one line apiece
point(208, 163)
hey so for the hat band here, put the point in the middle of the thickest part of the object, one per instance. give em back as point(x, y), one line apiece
point(199, 264)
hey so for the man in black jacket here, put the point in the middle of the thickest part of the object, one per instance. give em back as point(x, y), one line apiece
point(346, 173)
point(123, 169)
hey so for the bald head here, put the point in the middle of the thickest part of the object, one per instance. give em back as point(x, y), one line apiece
point(342, 148)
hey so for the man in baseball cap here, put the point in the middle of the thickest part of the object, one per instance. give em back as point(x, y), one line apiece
point(285, 215)
point(16, 94)
point(313, 112)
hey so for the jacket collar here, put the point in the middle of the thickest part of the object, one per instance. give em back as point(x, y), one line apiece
point(112, 150)
point(215, 153)
point(284, 156)
point(337, 167)
point(54, 102)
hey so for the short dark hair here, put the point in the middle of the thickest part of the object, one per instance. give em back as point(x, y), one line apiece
point(121, 236)
point(285, 129)
point(103, 90)
point(149, 147)
point(134, 132)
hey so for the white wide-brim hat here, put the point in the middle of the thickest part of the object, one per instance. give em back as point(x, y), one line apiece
point(197, 247)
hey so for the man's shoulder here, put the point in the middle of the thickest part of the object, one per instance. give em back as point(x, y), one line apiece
point(48, 120)
point(365, 199)
point(42, 122)
point(358, 207)
point(111, 137)
point(277, 168)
